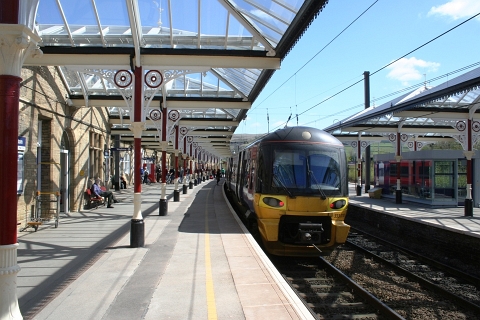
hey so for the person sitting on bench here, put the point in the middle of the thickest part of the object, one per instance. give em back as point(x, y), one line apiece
point(108, 195)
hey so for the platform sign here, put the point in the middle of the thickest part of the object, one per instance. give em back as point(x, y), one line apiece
point(120, 149)
point(22, 144)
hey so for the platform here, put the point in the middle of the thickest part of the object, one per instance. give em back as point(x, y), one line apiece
point(449, 218)
point(198, 262)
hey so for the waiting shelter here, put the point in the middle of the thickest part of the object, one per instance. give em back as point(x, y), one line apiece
point(446, 112)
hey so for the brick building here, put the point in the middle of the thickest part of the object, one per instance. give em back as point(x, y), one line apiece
point(63, 144)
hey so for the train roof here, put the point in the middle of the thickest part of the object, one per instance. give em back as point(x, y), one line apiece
point(299, 134)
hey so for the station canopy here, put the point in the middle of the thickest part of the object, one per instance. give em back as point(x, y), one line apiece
point(427, 114)
point(213, 57)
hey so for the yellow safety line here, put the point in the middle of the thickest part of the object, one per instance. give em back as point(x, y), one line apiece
point(211, 307)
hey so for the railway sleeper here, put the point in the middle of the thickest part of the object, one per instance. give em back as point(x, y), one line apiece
point(327, 295)
point(357, 316)
point(317, 287)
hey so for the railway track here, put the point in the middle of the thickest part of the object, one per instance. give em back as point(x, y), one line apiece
point(328, 292)
point(369, 279)
point(457, 286)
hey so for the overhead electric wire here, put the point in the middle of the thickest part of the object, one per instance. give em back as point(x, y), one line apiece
point(324, 47)
point(400, 91)
point(458, 25)
point(444, 33)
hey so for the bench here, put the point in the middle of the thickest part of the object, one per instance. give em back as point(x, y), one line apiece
point(91, 200)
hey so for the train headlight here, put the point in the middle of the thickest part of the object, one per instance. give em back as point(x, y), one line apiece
point(273, 202)
point(338, 204)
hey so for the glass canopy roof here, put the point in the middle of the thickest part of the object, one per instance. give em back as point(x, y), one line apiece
point(221, 51)
point(424, 112)
point(208, 24)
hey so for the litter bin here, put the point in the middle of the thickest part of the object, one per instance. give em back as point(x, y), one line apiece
point(375, 193)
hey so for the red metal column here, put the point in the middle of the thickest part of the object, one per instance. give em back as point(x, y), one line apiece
point(359, 168)
point(468, 207)
point(176, 152)
point(164, 151)
point(398, 192)
point(9, 11)
point(137, 226)
point(176, 192)
point(185, 158)
point(185, 170)
point(163, 207)
point(191, 158)
point(137, 117)
point(9, 103)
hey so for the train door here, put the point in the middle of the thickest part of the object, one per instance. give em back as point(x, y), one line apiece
point(251, 174)
point(244, 175)
point(238, 182)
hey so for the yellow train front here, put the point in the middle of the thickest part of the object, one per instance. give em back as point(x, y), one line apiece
point(293, 187)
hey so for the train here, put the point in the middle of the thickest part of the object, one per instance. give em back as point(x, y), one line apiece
point(415, 177)
point(292, 188)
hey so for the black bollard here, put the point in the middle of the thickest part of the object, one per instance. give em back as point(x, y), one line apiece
point(190, 185)
point(176, 195)
point(398, 196)
point(359, 190)
point(185, 189)
point(163, 207)
point(195, 182)
point(468, 208)
point(137, 233)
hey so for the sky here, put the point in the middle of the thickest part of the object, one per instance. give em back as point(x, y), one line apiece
point(315, 75)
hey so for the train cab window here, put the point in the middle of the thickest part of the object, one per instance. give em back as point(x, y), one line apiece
point(307, 171)
point(289, 169)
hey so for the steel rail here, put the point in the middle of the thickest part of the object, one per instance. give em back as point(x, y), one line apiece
point(371, 299)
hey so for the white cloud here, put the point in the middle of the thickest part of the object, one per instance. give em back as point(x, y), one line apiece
point(457, 9)
point(411, 69)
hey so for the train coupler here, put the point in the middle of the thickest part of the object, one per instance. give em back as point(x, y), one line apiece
point(310, 232)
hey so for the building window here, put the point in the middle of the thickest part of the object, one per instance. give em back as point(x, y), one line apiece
point(96, 155)
point(125, 164)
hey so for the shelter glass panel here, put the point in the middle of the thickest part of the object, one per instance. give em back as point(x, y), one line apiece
point(444, 181)
point(462, 181)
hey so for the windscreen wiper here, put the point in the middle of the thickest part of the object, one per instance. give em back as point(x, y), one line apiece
point(322, 193)
point(283, 186)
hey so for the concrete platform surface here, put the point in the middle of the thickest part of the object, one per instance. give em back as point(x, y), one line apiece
point(450, 218)
point(198, 262)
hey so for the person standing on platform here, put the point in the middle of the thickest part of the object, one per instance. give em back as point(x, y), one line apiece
point(145, 175)
point(141, 174)
point(219, 174)
point(123, 183)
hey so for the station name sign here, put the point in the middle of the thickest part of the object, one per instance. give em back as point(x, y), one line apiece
point(120, 149)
